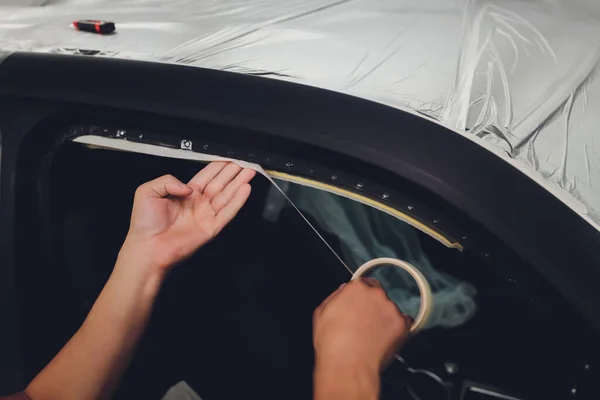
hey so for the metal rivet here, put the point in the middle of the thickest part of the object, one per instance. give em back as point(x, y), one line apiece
point(334, 177)
point(311, 171)
point(436, 221)
point(451, 368)
point(385, 196)
point(463, 237)
point(251, 155)
point(410, 207)
point(586, 367)
point(141, 136)
point(121, 133)
point(186, 144)
point(359, 185)
point(289, 164)
point(205, 147)
point(268, 159)
point(574, 391)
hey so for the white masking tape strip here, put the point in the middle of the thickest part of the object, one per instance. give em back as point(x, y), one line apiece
point(136, 147)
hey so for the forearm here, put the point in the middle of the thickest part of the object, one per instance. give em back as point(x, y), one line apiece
point(91, 363)
point(345, 381)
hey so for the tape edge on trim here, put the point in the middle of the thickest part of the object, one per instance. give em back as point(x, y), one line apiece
point(119, 144)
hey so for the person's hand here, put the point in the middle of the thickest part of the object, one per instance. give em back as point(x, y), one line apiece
point(171, 220)
point(358, 325)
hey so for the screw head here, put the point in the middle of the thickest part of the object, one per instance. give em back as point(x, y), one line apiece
point(186, 144)
point(121, 132)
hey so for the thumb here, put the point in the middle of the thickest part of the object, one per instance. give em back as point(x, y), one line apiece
point(164, 186)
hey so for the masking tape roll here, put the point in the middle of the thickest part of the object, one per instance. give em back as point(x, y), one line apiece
point(424, 288)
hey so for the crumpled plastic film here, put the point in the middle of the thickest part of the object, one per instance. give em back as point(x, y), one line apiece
point(526, 82)
point(365, 234)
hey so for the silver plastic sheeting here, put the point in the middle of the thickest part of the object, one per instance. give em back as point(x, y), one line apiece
point(365, 233)
point(527, 82)
point(517, 76)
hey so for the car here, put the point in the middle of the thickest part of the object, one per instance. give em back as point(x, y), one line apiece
point(348, 174)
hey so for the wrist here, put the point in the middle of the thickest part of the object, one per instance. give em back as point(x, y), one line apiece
point(344, 378)
point(348, 357)
point(133, 262)
point(348, 364)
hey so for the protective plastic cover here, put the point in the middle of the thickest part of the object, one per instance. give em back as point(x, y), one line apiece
point(517, 76)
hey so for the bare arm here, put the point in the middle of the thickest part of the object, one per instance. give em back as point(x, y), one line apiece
point(170, 221)
point(356, 331)
point(91, 363)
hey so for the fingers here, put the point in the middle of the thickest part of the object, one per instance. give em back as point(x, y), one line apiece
point(164, 186)
point(206, 175)
point(230, 210)
point(221, 180)
point(408, 319)
point(221, 199)
point(371, 282)
point(374, 283)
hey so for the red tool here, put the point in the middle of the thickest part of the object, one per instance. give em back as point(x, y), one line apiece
point(95, 26)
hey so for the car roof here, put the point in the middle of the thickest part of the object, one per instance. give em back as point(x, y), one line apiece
point(516, 77)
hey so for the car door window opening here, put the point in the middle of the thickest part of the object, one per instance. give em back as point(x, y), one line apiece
point(398, 285)
point(82, 231)
point(78, 233)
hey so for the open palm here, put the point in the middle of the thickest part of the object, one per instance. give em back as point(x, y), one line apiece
point(171, 220)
